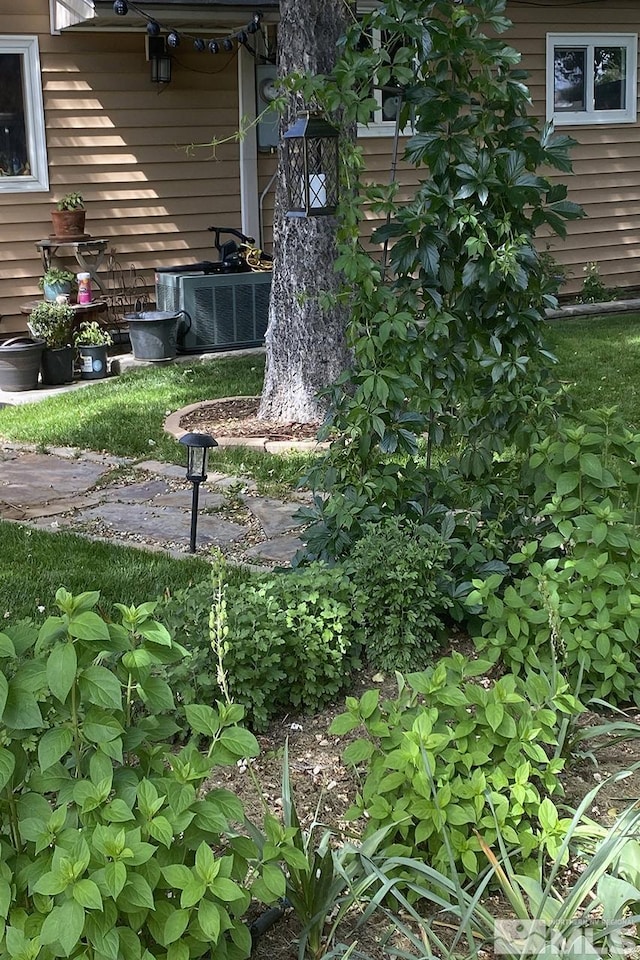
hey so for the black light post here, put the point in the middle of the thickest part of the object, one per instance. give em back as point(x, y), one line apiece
point(198, 446)
point(312, 169)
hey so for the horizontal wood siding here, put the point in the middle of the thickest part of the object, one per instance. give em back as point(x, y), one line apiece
point(606, 158)
point(139, 155)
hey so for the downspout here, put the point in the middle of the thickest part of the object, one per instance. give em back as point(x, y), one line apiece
point(249, 203)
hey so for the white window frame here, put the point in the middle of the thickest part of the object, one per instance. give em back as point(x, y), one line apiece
point(379, 127)
point(589, 115)
point(27, 47)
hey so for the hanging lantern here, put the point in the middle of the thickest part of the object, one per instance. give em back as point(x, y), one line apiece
point(312, 169)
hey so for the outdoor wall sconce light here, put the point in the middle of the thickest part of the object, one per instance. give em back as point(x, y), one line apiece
point(161, 69)
point(198, 446)
point(158, 57)
point(311, 165)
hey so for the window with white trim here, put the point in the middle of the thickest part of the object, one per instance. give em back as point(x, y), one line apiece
point(23, 150)
point(383, 118)
point(592, 78)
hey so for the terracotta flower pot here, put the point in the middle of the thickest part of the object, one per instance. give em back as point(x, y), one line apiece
point(68, 224)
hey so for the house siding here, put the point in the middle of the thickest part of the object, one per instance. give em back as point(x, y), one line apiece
point(606, 158)
point(129, 148)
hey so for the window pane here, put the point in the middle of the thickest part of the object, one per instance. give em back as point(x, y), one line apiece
point(569, 78)
point(365, 43)
point(609, 78)
point(14, 158)
point(391, 100)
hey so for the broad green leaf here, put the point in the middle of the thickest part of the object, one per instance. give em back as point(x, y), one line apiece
point(209, 919)
point(177, 875)
point(192, 893)
point(87, 894)
point(207, 867)
point(494, 713)
point(155, 632)
point(567, 482)
point(368, 703)
point(358, 751)
point(62, 665)
point(4, 690)
point(87, 625)
point(274, 879)
point(7, 766)
point(100, 687)
point(7, 649)
point(137, 893)
point(156, 694)
point(344, 723)
point(176, 924)
point(240, 742)
point(161, 830)
point(202, 719)
point(225, 889)
point(51, 884)
point(180, 951)
point(21, 710)
point(53, 745)
point(64, 925)
point(115, 877)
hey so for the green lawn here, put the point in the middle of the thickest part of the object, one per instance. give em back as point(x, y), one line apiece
point(599, 359)
point(35, 563)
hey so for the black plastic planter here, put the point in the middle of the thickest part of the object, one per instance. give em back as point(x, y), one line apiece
point(57, 366)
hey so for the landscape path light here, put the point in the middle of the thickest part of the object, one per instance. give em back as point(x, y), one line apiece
point(198, 446)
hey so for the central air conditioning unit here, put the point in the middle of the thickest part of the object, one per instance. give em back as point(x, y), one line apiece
point(222, 311)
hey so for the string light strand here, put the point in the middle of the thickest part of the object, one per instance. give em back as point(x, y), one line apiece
point(175, 37)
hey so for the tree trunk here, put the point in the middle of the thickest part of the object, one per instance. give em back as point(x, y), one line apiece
point(306, 348)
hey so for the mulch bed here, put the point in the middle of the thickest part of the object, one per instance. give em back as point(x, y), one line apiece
point(237, 417)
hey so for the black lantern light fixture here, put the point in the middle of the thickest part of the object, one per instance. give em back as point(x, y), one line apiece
point(159, 59)
point(312, 169)
point(198, 446)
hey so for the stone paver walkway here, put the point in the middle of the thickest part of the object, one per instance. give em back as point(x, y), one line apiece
point(144, 504)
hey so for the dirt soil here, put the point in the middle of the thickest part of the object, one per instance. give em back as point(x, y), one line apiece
point(323, 787)
point(237, 417)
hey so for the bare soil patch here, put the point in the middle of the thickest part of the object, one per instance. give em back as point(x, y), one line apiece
point(237, 417)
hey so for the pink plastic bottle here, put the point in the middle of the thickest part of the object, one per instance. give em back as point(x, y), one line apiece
point(84, 288)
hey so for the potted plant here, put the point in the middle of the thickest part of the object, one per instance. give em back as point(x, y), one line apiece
point(53, 322)
point(92, 341)
point(69, 217)
point(56, 283)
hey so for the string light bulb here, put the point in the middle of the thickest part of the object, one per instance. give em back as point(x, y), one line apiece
point(199, 44)
point(254, 26)
point(214, 46)
point(121, 8)
point(241, 36)
point(227, 44)
point(153, 28)
point(173, 39)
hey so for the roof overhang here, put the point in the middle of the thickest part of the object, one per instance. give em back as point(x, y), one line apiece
point(202, 16)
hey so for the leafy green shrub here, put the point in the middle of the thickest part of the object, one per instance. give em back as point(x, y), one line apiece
point(468, 756)
point(293, 639)
point(399, 568)
point(106, 839)
point(577, 603)
point(593, 289)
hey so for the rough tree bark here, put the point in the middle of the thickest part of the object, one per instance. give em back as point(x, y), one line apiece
point(305, 344)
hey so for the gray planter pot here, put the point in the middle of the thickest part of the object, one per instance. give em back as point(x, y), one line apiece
point(93, 362)
point(20, 363)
